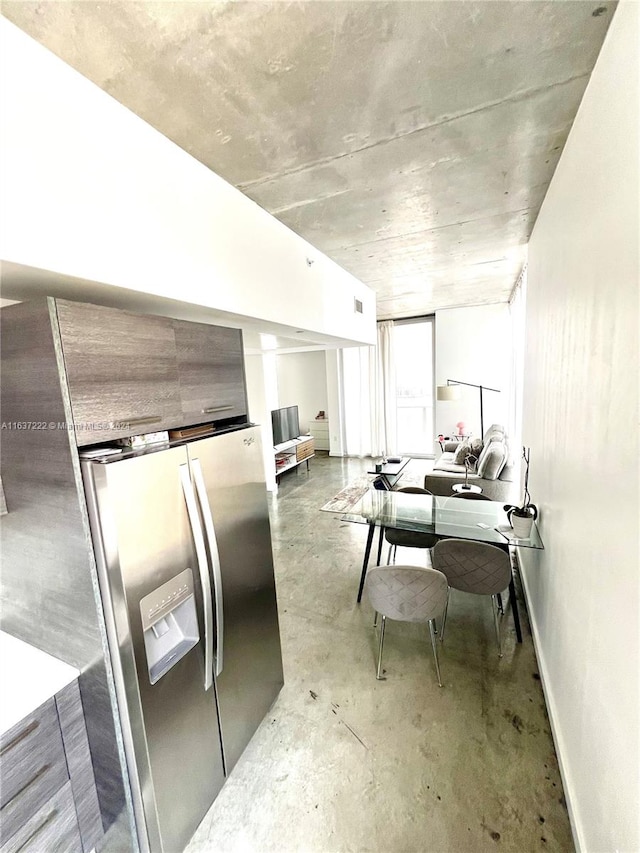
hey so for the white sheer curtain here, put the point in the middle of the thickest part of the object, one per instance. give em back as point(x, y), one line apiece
point(369, 397)
point(384, 410)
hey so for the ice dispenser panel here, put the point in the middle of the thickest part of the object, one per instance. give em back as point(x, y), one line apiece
point(169, 623)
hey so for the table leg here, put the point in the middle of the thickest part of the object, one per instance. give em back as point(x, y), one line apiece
point(367, 552)
point(380, 541)
point(514, 609)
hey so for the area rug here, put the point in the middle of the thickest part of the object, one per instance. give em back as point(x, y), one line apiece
point(350, 495)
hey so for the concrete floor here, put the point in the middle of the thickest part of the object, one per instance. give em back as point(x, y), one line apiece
point(347, 763)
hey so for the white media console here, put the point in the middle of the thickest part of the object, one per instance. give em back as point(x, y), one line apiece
point(292, 453)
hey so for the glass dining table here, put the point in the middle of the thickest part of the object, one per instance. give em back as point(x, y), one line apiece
point(447, 517)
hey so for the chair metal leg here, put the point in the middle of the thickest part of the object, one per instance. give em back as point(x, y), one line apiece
point(500, 604)
point(379, 675)
point(496, 622)
point(375, 619)
point(434, 646)
point(395, 551)
point(444, 615)
point(389, 555)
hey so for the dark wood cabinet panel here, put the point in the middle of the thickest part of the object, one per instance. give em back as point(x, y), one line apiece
point(211, 372)
point(121, 371)
point(133, 373)
point(79, 764)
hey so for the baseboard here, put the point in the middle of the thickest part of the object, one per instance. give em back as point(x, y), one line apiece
point(569, 794)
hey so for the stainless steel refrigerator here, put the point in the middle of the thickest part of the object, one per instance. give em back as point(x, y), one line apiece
point(183, 548)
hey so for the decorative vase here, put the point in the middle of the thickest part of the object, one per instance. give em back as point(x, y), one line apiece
point(521, 525)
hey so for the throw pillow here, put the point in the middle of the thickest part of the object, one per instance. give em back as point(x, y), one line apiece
point(492, 460)
point(461, 453)
point(476, 446)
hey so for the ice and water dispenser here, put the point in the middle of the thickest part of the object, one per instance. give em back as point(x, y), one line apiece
point(170, 624)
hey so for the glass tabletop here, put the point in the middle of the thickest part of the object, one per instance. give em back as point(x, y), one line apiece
point(482, 521)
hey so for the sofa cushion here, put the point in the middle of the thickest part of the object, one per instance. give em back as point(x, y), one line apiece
point(445, 463)
point(440, 483)
point(494, 429)
point(492, 460)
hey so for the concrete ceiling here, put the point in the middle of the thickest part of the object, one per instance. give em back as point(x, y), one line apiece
point(412, 142)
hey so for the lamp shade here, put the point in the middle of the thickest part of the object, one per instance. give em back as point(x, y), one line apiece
point(448, 392)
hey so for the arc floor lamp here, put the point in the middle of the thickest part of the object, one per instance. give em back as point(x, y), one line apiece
point(451, 392)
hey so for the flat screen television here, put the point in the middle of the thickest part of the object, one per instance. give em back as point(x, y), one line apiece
point(286, 424)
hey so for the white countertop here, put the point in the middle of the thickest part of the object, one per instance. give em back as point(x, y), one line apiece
point(28, 677)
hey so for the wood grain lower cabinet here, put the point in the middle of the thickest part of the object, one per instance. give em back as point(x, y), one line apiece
point(121, 369)
point(210, 372)
point(53, 828)
point(48, 798)
point(33, 767)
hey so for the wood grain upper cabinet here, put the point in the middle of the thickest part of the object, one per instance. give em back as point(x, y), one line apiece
point(121, 371)
point(211, 372)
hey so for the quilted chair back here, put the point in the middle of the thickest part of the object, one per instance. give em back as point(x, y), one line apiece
point(411, 538)
point(473, 566)
point(407, 593)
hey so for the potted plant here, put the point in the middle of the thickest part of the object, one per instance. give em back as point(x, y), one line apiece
point(521, 518)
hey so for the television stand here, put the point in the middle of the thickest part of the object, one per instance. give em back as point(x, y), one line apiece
point(292, 453)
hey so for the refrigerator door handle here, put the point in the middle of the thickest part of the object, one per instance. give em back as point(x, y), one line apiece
point(201, 489)
point(201, 553)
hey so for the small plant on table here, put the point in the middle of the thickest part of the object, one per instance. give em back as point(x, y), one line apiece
point(522, 517)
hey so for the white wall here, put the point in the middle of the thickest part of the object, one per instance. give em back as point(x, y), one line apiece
point(302, 382)
point(262, 398)
point(581, 422)
point(474, 345)
point(92, 191)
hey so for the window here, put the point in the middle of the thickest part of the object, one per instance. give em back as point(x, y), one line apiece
point(413, 355)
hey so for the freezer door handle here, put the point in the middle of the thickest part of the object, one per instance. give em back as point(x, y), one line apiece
point(201, 489)
point(201, 554)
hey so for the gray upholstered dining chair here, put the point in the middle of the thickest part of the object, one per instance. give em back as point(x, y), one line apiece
point(407, 594)
point(408, 538)
point(475, 567)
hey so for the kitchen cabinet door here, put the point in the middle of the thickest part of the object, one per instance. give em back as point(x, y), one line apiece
point(121, 371)
point(211, 372)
